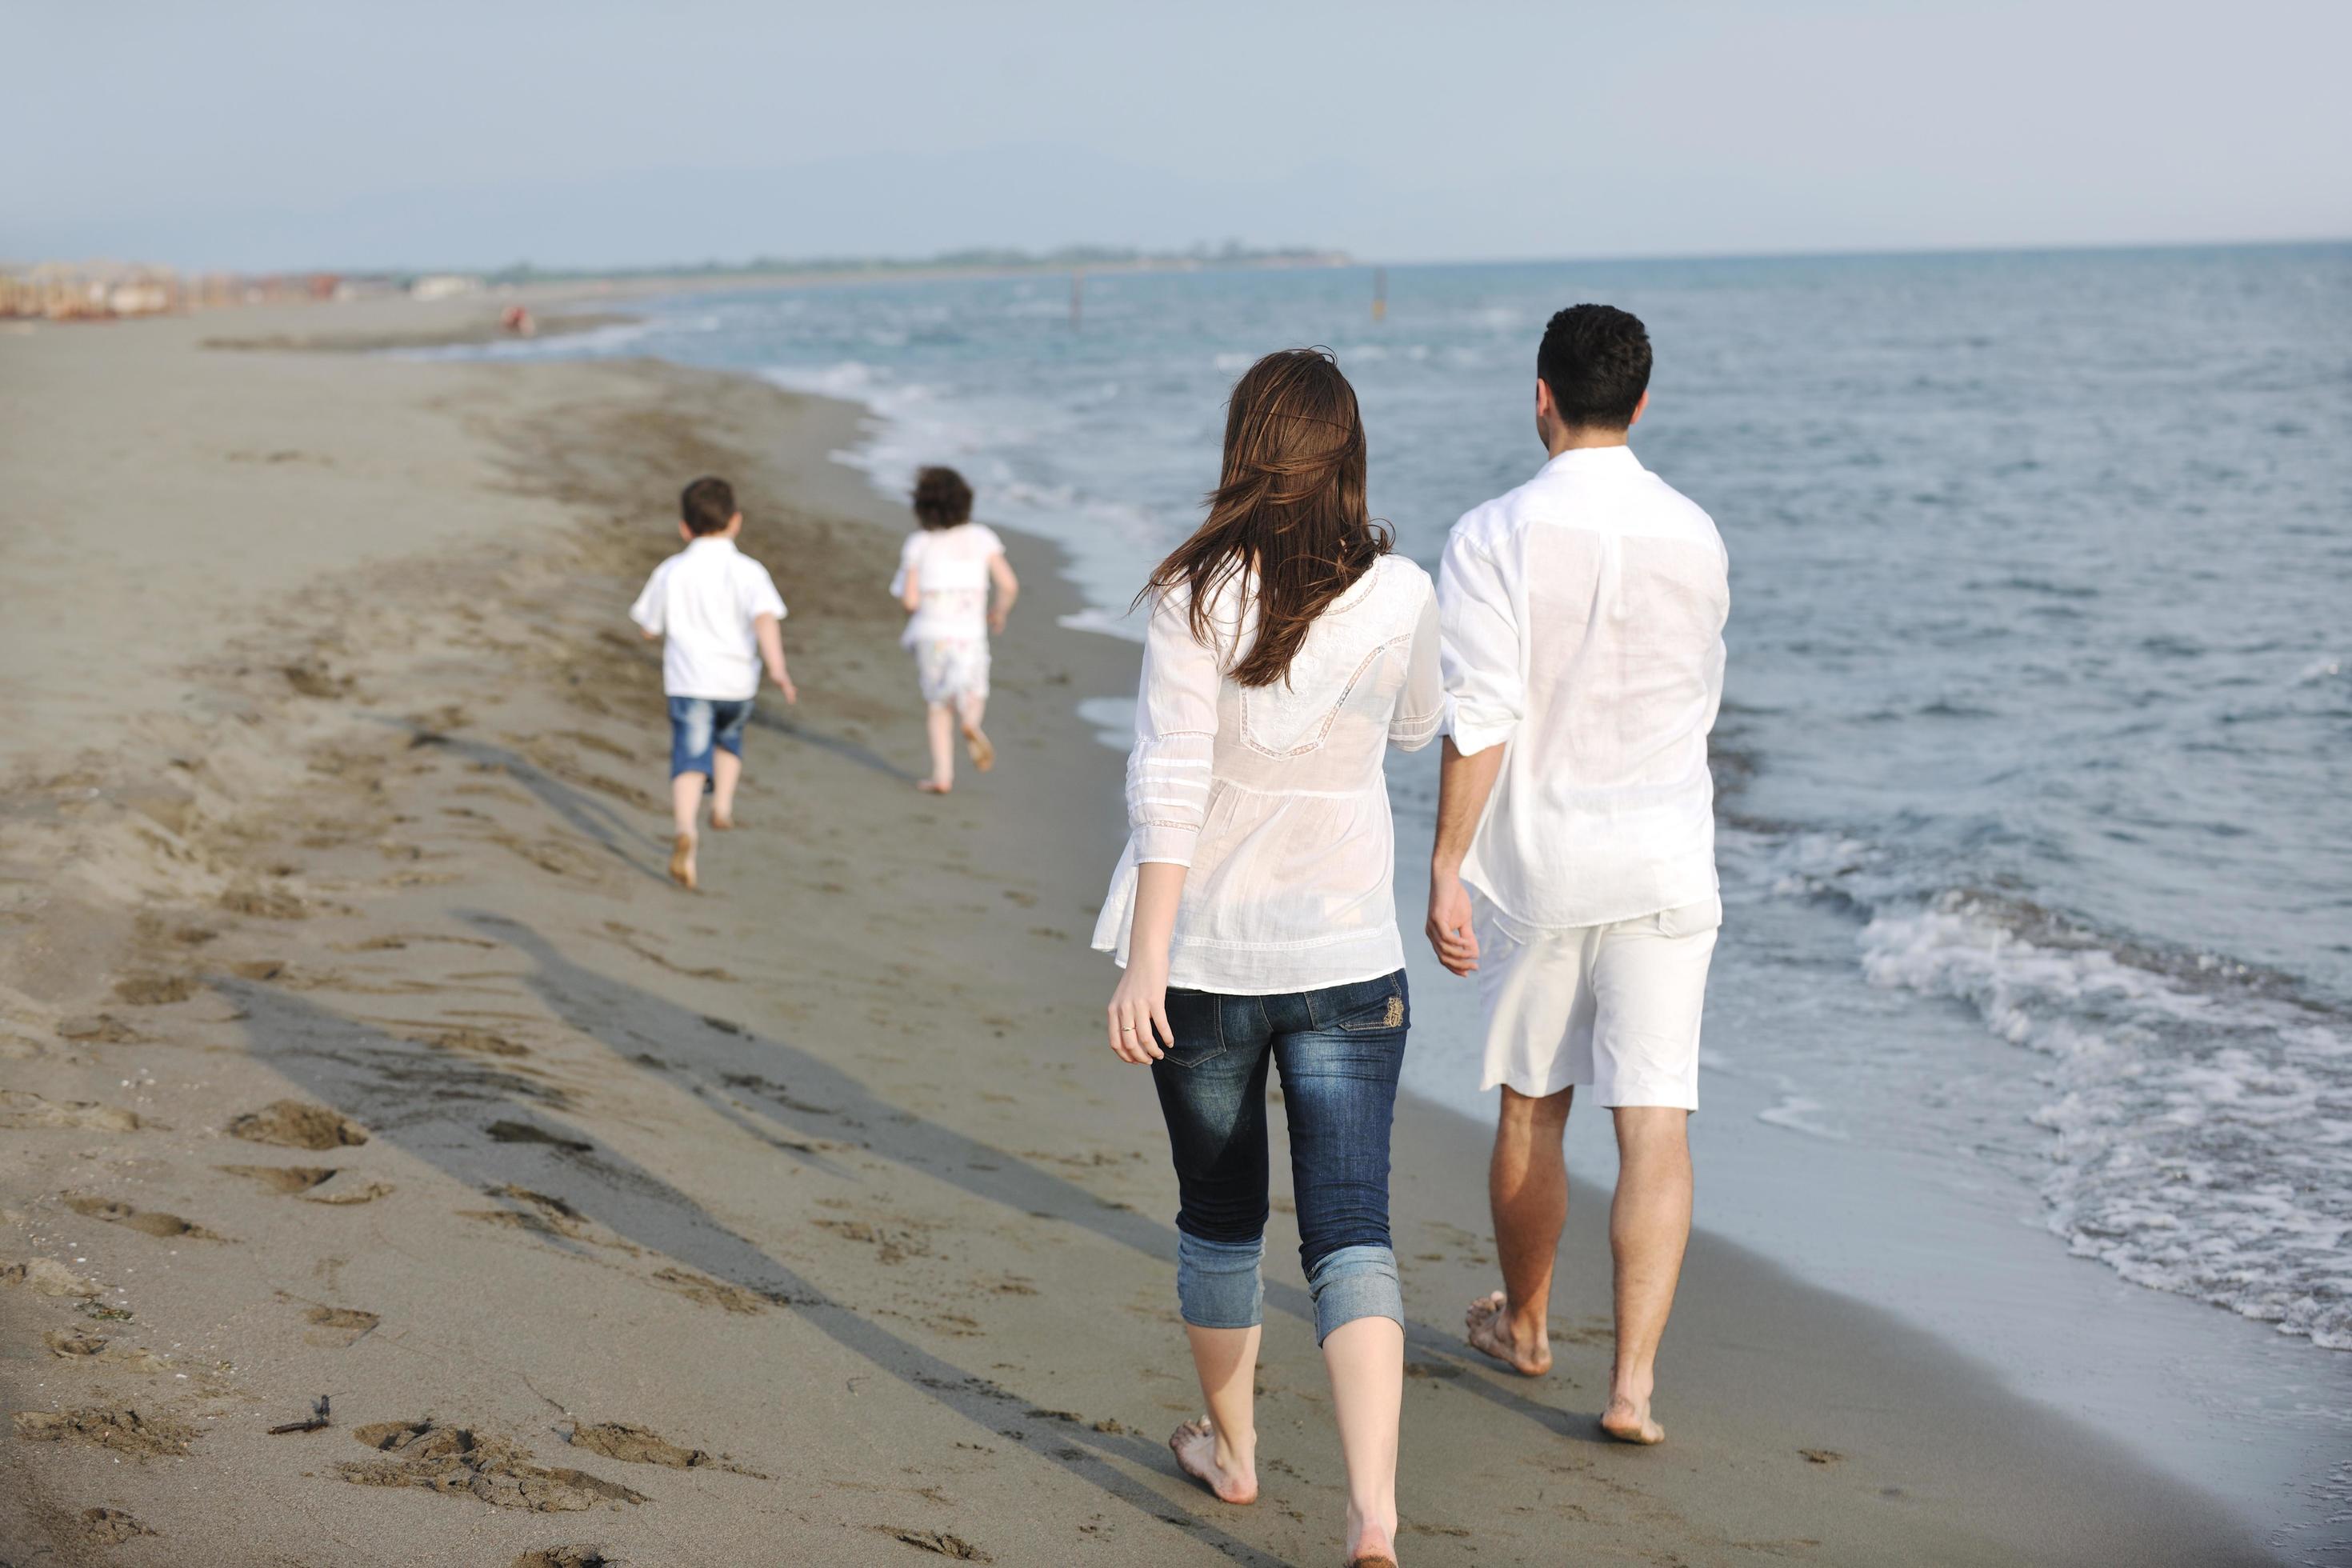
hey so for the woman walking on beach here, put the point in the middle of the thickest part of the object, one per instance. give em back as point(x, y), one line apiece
point(1252, 914)
point(945, 573)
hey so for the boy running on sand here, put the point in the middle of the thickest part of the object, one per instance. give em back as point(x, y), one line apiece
point(720, 611)
point(944, 573)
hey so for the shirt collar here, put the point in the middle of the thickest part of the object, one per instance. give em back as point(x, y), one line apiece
point(720, 539)
point(1595, 460)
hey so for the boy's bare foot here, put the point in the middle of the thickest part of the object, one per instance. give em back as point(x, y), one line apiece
point(681, 860)
point(1371, 1546)
point(722, 824)
point(983, 754)
point(1194, 1444)
point(1488, 1321)
point(1629, 1422)
point(933, 786)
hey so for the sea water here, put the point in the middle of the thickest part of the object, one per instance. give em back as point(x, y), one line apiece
point(2033, 1003)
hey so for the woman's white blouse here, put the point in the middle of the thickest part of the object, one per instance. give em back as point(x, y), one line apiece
point(1274, 794)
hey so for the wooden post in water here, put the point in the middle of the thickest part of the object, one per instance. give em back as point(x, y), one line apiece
point(1379, 294)
point(1077, 295)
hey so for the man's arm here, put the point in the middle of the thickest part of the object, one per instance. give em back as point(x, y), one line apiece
point(1463, 784)
point(1479, 637)
point(769, 634)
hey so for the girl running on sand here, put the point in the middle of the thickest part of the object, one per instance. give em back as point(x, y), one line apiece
point(1252, 911)
point(944, 576)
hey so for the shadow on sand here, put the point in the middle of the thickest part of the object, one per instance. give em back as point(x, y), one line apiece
point(722, 1063)
point(406, 1094)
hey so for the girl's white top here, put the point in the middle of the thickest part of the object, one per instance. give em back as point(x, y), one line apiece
point(950, 567)
point(1274, 794)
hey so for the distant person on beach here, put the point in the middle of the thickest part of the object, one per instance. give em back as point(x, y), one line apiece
point(1253, 912)
point(945, 573)
point(720, 618)
point(1574, 867)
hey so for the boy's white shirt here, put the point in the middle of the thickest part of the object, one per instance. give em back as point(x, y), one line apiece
point(702, 601)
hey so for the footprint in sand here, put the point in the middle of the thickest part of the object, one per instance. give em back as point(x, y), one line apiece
point(20, 1108)
point(46, 1277)
point(456, 1460)
point(564, 1557)
point(636, 1445)
point(282, 1179)
point(154, 990)
point(480, 1042)
point(147, 1222)
point(109, 1526)
point(78, 1344)
point(295, 1125)
point(124, 1430)
point(524, 1133)
point(103, 1028)
point(337, 1327)
point(264, 903)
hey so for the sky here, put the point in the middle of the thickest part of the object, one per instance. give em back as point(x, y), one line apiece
point(267, 136)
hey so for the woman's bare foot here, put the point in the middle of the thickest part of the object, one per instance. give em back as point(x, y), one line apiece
point(1371, 1546)
point(1194, 1444)
point(1628, 1421)
point(983, 754)
point(1488, 1321)
point(933, 786)
point(681, 860)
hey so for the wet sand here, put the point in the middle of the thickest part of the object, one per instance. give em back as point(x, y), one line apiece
point(354, 1046)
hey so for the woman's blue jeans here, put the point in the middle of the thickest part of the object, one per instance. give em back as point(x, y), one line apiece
point(1338, 1051)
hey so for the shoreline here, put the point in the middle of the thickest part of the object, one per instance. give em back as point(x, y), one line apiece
point(781, 1194)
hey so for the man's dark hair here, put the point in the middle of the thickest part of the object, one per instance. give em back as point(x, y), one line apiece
point(1596, 360)
point(942, 497)
point(707, 506)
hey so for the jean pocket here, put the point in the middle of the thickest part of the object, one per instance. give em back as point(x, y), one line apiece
point(1367, 1007)
point(1194, 1017)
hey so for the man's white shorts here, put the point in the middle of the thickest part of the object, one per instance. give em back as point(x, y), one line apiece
point(1613, 1006)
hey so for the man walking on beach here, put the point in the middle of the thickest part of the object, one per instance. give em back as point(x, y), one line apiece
point(1582, 618)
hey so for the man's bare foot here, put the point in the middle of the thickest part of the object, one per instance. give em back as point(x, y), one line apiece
point(1194, 1444)
point(1371, 1546)
point(1488, 1321)
point(1629, 1423)
point(681, 860)
point(983, 754)
point(933, 786)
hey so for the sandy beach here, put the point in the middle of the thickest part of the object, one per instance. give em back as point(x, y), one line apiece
point(356, 1057)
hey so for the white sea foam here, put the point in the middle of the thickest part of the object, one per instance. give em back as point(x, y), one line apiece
point(2202, 1116)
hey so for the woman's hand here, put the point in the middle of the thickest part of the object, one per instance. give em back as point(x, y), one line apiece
point(1139, 1014)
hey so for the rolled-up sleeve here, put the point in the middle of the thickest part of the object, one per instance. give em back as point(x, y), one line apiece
point(1420, 709)
point(1175, 738)
point(1480, 644)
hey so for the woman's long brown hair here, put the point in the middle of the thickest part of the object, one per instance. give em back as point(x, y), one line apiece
point(1289, 503)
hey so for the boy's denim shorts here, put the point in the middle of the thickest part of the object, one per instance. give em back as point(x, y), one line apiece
point(701, 725)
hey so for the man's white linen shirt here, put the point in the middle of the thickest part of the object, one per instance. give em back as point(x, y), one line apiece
point(1582, 621)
